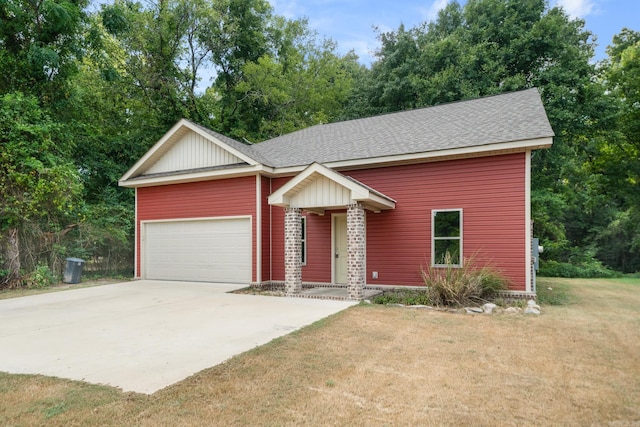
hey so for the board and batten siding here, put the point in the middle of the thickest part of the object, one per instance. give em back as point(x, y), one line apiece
point(321, 191)
point(204, 199)
point(193, 151)
point(489, 190)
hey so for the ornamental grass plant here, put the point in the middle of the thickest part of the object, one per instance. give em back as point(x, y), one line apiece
point(462, 285)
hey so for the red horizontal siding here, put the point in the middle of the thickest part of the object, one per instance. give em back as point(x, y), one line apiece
point(491, 192)
point(218, 198)
point(318, 268)
point(266, 229)
point(277, 234)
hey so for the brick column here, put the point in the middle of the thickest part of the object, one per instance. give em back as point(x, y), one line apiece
point(356, 273)
point(292, 251)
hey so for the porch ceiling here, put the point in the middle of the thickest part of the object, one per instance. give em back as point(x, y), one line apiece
point(318, 188)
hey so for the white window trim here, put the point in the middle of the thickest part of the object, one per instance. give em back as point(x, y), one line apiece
point(433, 238)
point(303, 241)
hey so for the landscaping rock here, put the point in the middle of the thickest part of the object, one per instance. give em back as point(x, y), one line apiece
point(396, 305)
point(532, 304)
point(531, 310)
point(473, 310)
point(367, 301)
point(420, 306)
point(513, 310)
point(489, 307)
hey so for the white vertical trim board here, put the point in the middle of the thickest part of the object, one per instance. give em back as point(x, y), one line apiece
point(258, 228)
point(136, 253)
point(270, 233)
point(527, 219)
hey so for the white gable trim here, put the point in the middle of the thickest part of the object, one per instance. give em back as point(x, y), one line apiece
point(233, 172)
point(317, 188)
point(172, 137)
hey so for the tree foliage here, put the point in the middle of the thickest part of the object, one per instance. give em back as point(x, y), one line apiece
point(85, 92)
point(38, 182)
point(39, 43)
point(492, 46)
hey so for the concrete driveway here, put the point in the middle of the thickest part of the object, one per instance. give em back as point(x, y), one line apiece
point(143, 336)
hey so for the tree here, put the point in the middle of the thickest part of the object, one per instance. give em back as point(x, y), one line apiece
point(618, 157)
point(37, 181)
point(492, 46)
point(300, 83)
point(39, 45)
point(236, 32)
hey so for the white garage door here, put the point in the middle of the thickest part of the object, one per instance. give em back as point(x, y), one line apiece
point(204, 250)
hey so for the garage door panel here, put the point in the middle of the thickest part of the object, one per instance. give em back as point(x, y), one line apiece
point(217, 250)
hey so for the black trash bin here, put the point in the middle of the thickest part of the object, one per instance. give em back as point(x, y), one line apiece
point(73, 271)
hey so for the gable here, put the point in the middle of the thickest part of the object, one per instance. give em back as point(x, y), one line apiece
point(318, 188)
point(188, 153)
point(192, 151)
point(321, 191)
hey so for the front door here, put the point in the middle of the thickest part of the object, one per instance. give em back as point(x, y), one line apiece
point(340, 249)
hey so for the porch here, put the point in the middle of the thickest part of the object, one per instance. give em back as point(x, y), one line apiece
point(316, 190)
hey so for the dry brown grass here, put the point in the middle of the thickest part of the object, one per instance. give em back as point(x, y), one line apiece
point(577, 364)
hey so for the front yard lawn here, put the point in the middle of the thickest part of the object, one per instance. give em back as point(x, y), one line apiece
point(576, 364)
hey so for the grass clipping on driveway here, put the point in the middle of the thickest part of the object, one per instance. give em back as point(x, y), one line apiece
point(576, 364)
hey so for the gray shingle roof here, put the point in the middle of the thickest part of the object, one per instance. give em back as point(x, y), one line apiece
point(502, 118)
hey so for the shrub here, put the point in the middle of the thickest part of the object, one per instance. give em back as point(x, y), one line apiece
point(460, 286)
point(403, 296)
point(590, 269)
point(40, 277)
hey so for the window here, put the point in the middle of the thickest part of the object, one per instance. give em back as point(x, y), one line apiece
point(446, 242)
point(303, 241)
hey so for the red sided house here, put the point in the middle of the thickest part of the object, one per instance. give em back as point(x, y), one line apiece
point(365, 202)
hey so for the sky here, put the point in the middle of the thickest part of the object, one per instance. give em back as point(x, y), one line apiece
point(350, 22)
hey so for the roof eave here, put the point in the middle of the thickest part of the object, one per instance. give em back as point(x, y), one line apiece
point(236, 172)
point(431, 156)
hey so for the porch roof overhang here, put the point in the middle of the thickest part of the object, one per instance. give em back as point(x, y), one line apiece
point(318, 188)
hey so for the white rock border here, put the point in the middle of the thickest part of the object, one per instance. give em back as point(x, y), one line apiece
point(489, 308)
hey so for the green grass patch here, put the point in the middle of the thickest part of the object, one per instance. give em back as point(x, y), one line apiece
point(57, 409)
point(403, 296)
point(553, 292)
point(631, 280)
